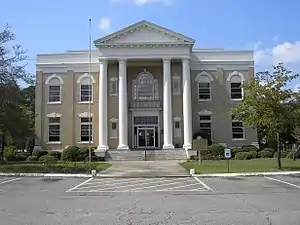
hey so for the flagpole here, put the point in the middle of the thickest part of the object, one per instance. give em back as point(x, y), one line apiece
point(90, 84)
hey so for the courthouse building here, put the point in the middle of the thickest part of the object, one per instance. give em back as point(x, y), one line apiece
point(148, 88)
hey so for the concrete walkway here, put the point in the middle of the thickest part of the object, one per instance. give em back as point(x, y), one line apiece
point(144, 169)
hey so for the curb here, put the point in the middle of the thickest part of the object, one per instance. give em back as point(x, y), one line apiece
point(142, 176)
point(248, 174)
point(45, 175)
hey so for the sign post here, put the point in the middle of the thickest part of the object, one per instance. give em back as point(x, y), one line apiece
point(199, 144)
point(227, 154)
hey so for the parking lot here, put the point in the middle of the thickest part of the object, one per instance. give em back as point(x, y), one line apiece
point(181, 200)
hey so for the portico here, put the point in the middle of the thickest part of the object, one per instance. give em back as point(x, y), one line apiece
point(151, 129)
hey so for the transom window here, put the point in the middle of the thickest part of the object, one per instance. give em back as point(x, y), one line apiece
point(143, 120)
point(54, 129)
point(205, 125)
point(86, 129)
point(145, 87)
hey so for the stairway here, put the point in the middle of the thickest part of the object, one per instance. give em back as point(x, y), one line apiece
point(139, 155)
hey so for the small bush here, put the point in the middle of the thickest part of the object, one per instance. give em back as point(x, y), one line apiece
point(47, 159)
point(39, 153)
point(282, 155)
point(9, 153)
point(265, 153)
point(246, 155)
point(249, 148)
point(21, 157)
point(289, 155)
point(70, 154)
point(31, 158)
point(216, 150)
point(55, 154)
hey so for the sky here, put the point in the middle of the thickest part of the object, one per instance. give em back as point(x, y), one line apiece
point(268, 27)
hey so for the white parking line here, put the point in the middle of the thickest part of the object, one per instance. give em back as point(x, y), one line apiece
point(7, 181)
point(152, 182)
point(203, 184)
point(158, 185)
point(187, 185)
point(282, 181)
point(84, 182)
point(113, 183)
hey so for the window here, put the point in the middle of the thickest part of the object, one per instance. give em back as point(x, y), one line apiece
point(237, 130)
point(236, 80)
point(205, 125)
point(204, 81)
point(113, 87)
point(54, 93)
point(204, 91)
point(113, 131)
point(177, 127)
point(86, 93)
point(86, 129)
point(176, 85)
point(86, 82)
point(145, 87)
point(54, 83)
point(54, 129)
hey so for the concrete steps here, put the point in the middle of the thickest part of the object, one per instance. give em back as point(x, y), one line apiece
point(139, 155)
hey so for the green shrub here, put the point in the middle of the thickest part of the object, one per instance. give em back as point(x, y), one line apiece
point(270, 149)
point(289, 155)
point(282, 155)
point(240, 155)
point(47, 159)
point(265, 153)
point(216, 150)
point(249, 148)
point(246, 155)
point(55, 154)
point(70, 154)
point(31, 158)
point(39, 153)
point(10, 153)
point(21, 157)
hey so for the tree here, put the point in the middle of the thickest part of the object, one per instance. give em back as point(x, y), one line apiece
point(12, 70)
point(269, 105)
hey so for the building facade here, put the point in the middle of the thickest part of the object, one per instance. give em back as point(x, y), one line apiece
point(144, 87)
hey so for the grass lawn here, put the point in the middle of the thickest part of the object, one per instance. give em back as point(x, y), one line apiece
point(235, 166)
point(59, 167)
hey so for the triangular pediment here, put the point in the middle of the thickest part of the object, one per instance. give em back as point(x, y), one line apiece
point(144, 32)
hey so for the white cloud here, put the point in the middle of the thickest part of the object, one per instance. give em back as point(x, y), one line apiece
point(287, 52)
point(104, 24)
point(144, 2)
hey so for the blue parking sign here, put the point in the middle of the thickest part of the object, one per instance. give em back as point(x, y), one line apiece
point(227, 153)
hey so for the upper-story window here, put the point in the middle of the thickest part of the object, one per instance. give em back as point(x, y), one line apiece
point(145, 87)
point(86, 88)
point(236, 80)
point(176, 89)
point(54, 83)
point(204, 81)
point(113, 86)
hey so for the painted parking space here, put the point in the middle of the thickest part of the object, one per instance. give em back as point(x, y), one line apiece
point(6, 180)
point(183, 184)
point(288, 180)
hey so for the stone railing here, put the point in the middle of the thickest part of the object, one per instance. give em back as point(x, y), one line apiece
point(146, 104)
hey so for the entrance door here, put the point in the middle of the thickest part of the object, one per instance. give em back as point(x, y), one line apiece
point(146, 137)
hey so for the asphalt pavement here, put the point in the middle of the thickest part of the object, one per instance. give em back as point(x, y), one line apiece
point(186, 200)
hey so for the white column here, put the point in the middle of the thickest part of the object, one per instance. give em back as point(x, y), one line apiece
point(102, 105)
point(187, 104)
point(167, 111)
point(123, 109)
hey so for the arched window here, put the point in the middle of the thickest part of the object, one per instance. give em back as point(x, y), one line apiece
point(203, 81)
point(236, 80)
point(54, 83)
point(145, 87)
point(86, 87)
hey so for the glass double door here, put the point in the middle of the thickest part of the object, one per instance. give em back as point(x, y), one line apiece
point(146, 137)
